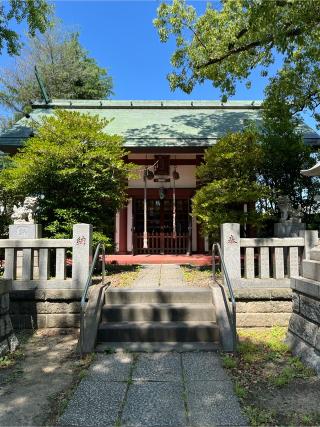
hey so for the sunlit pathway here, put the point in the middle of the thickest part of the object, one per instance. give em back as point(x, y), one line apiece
point(159, 275)
point(155, 389)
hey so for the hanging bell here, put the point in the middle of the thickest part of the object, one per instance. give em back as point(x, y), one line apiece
point(150, 175)
point(175, 175)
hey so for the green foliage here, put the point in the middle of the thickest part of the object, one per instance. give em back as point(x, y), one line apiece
point(259, 417)
point(35, 12)
point(229, 176)
point(240, 391)
point(295, 369)
point(227, 42)
point(228, 362)
point(74, 168)
point(65, 69)
point(284, 156)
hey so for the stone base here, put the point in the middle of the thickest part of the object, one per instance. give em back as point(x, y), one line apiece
point(288, 229)
point(303, 335)
point(53, 308)
point(8, 340)
point(263, 307)
point(308, 354)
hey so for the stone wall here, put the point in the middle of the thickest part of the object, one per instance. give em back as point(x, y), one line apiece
point(8, 340)
point(45, 308)
point(263, 307)
point(304, 328)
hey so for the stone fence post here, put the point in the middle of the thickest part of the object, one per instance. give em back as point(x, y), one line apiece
point(230, 245)
point(81, 254)
point(311, 239)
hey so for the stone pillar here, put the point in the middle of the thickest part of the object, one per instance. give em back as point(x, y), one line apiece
point(230, 245)
point(14, 265)
point(81, 254)
point(311, 239)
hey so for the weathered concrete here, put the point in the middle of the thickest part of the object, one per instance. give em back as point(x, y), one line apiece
point(81, 254)
point(159, 389)
point(304, 328)
point(50, 308)
point(230, 245)
point(8, 340)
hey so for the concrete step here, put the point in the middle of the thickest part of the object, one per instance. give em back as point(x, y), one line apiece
point(156, 347)
point(158, 312)
point(172, 296)
point(158, 332)
point(311, 269)
point(315, 254)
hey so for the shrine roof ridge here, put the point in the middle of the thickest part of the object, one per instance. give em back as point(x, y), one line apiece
point(147, 104)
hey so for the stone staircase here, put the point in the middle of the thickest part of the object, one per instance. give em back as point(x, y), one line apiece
point(158, 316)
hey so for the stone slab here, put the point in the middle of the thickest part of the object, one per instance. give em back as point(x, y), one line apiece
point(203, 366)
point(260, 320)
point(156, 347)
point(96, 402)
point(303, 328)
point(154, 404)
point(264, 307)
point(310, 308)
point(213, 403)
point(158, 367)
point(112, 367)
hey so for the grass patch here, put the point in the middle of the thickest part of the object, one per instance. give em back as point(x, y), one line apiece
point(196, 275)
point(262, 367)
point(228, 361)
point(259, 417)
point(122, 276)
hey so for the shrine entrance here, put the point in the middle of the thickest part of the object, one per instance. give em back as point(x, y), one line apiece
point(161, 238)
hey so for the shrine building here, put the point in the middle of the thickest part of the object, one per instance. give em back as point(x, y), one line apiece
point(166, 140)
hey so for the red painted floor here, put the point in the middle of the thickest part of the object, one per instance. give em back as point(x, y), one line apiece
point(197, 259)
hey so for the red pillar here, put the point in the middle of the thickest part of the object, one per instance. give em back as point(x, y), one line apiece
point(123, 231)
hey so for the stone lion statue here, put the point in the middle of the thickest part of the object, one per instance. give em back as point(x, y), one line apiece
point(287, 211)
point(25, 213)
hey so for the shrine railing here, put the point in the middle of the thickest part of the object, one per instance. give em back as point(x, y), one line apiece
point(162, 243)
point(264, 258)
point(49, 263)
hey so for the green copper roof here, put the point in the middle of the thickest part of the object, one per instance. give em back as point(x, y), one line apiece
point(147, 124)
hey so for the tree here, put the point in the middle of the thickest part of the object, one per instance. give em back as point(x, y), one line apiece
point(36, 12)
point(284, 155)
point(74, 168)
point(229, 178)
point(225, 44)
point(64, 66)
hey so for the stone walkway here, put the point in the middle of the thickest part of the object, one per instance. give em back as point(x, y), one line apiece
point(159, 275)
point(155, 389)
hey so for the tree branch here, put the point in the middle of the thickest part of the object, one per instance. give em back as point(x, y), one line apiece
point(234, 51)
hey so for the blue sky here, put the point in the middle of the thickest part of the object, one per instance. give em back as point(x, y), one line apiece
point(121, 37)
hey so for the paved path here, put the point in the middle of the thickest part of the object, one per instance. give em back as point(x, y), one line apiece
point(155, 389)
point(160, 275)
